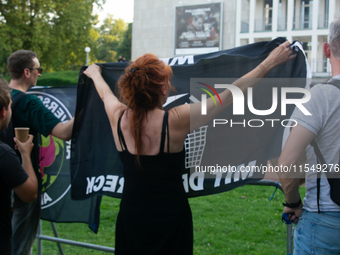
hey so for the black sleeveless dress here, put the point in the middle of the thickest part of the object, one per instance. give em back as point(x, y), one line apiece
point(154, 217)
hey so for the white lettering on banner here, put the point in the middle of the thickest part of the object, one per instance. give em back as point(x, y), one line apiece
point(233, 172)
point(108, 183)
point(121, 185)
point(195, 181)
point(100, 180)
point(54, 107)
point(111, 181)
point(68, 149)
point(182, 60)
point(179, 60)
point(245, 172)
point(45, 198)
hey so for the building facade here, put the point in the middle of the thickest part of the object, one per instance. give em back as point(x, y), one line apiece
point(154, 26)
point(242, 22)
point(303, 20)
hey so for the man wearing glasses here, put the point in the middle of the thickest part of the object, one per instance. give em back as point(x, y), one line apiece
point(24, 69)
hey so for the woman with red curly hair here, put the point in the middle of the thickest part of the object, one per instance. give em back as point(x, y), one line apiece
point(155, 217)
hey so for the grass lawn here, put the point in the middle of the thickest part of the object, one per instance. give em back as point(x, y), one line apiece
point(241, 221)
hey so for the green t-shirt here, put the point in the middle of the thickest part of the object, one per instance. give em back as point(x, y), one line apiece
point(31, 112)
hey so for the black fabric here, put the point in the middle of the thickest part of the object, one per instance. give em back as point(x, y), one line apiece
point(335, 189)
point(154, 217)
point(94, 154)
point(11, 175)
point(332, 177)
point(165, 126)
point(334, 82)
point(7, 134)
point(120, 134)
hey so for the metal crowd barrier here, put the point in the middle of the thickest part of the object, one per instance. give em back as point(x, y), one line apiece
point(59, 241)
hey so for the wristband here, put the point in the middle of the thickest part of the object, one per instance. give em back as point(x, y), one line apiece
point(293, 205)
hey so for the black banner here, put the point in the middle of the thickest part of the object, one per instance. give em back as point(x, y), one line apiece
point(55, 154)
point(95, 165)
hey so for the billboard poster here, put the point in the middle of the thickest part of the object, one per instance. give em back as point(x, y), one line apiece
point(198, 28)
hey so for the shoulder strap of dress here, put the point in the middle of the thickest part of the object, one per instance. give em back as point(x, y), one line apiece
point(165, 126)
point(120, 134)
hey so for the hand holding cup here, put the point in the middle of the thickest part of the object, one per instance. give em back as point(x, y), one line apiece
point(26, 147)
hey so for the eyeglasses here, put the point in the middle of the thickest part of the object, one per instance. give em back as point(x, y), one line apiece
point(39, 69)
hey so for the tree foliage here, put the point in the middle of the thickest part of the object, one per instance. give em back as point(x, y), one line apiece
point(57, 30)
point(125, 47)
point(113, 35)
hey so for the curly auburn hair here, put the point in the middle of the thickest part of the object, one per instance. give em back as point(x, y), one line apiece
point(140, 89)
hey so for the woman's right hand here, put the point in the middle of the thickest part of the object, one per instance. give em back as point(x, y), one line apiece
point(279, 55)
point(26, 147)
point(92, 71)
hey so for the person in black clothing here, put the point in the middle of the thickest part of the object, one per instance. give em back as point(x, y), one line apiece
point(13, 175)
point(155, 217)
point(24, 69)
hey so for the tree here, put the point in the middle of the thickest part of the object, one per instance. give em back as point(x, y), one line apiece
point(57, 30)
point(124, 49)
point(111, 34)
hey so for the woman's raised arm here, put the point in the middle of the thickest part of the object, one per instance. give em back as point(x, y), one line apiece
point(111, 102)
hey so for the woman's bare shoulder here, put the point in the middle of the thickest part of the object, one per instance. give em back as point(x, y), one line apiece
point(116, 113)
point(179, 119)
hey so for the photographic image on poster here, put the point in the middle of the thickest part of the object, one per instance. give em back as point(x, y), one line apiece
point(198, 28)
